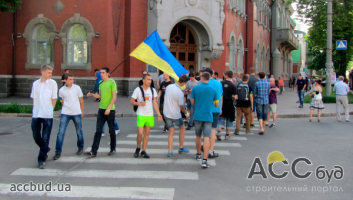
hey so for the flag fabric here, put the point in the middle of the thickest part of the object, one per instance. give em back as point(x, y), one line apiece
point(154, 52)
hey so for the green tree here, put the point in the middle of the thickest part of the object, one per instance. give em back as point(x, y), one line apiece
point(314, 13)
point(9, 5)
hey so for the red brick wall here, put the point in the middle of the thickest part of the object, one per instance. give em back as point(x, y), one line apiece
point(228, 25)
point(116, 20)
point(6, 43)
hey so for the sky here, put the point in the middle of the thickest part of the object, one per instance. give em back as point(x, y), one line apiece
point(303, 26)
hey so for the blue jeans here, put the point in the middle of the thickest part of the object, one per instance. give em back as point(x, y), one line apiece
point(301, 97)
point(215, 121)
point(96, 88)
point(116, 126)
point(101, 119)
point(64, 121)
point(191, 109)
point(42, 139)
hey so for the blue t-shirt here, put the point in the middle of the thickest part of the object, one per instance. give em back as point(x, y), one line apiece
point(204, 96)
point(219, 89)
point(99, 78)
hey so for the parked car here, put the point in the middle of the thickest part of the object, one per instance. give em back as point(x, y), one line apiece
point(323, 83)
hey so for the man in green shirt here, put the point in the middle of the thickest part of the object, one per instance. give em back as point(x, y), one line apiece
point(106, 112)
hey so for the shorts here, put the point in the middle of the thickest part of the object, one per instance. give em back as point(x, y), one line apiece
point(170, 122)
point(215, 120)
point(226, 121)
point(143, 121)
point(272, 108)
point(203, 128)
point(254, 107)
point(262, 110)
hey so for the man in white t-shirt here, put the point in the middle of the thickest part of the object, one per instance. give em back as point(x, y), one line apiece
point(173, 103)
point(44, 95)
point(71, 97)
point(145, 118)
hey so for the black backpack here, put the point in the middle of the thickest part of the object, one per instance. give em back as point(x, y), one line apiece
point(243, 92)
point(143, 96)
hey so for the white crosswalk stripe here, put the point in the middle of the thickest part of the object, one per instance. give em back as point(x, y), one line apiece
point(165, 143)
point(153, 151)
point(177, 137)
point(99, 192)
point(132, 161)
point(125, 149)
point(107, 174)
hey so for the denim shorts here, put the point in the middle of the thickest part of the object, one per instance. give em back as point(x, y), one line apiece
point(215, 120)
point(203, 128)
point(254, 107)
point(262, 110)
point(226, 121)
point(170, 122)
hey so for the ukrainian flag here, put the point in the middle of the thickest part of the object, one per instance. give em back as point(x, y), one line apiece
point(154, 52)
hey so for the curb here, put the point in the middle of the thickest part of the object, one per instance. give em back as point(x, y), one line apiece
point(129, 115)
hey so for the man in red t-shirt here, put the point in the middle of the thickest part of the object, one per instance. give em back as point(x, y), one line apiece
point(280, 85)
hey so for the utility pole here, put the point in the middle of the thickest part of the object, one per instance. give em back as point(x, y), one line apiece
point(329, 48)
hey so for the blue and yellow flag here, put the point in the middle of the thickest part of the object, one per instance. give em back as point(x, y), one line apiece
point(154, 52)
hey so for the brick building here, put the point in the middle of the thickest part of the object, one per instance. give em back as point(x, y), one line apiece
point(83, 35)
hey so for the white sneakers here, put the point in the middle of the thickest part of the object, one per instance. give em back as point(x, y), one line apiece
point(116, 133)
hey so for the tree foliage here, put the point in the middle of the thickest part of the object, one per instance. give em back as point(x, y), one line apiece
point(314, 13)
point(9, 5)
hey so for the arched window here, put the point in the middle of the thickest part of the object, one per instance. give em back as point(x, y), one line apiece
point(263, 59)
point(258, 56)
point(232, 52)
point(240, 56)
point(76, 39)
point(39, 35)
point(41, 47)
point(77, 45)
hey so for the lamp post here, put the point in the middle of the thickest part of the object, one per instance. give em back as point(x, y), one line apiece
point(329, 48)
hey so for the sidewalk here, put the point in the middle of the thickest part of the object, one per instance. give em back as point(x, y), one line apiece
point(287, 106)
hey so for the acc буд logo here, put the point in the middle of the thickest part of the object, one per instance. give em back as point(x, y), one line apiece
point(321, 172)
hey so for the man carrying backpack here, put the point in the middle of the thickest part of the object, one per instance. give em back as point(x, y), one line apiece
point(146, 100)
point(244, 104)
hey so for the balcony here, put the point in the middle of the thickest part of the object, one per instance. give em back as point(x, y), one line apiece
point(285, 38)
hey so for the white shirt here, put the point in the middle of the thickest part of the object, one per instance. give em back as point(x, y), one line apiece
point(42, 95)
point(148, 109)
point(341, 88)
point(71, 97)
point(173, 99)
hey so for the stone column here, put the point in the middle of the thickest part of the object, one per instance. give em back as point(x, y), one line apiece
point(290, 73)
point(276, 64)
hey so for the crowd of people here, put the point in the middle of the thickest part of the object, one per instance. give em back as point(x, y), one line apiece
point(201, 101)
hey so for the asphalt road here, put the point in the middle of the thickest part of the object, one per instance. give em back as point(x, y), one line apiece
point(328, 143)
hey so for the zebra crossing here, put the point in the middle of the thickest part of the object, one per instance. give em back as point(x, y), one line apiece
point(126, 144)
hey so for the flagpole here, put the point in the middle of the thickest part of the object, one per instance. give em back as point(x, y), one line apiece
point(95, 87)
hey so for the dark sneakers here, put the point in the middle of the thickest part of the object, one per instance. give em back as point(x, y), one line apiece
point(261, 133)
point(272, 126)
point(41, 165)
point(144, 154)
point(111, 153)
point(189, 128)
point(57, 156)
point(213, 155)
point(89, 153)
point(79, 151)
point(137, 153)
